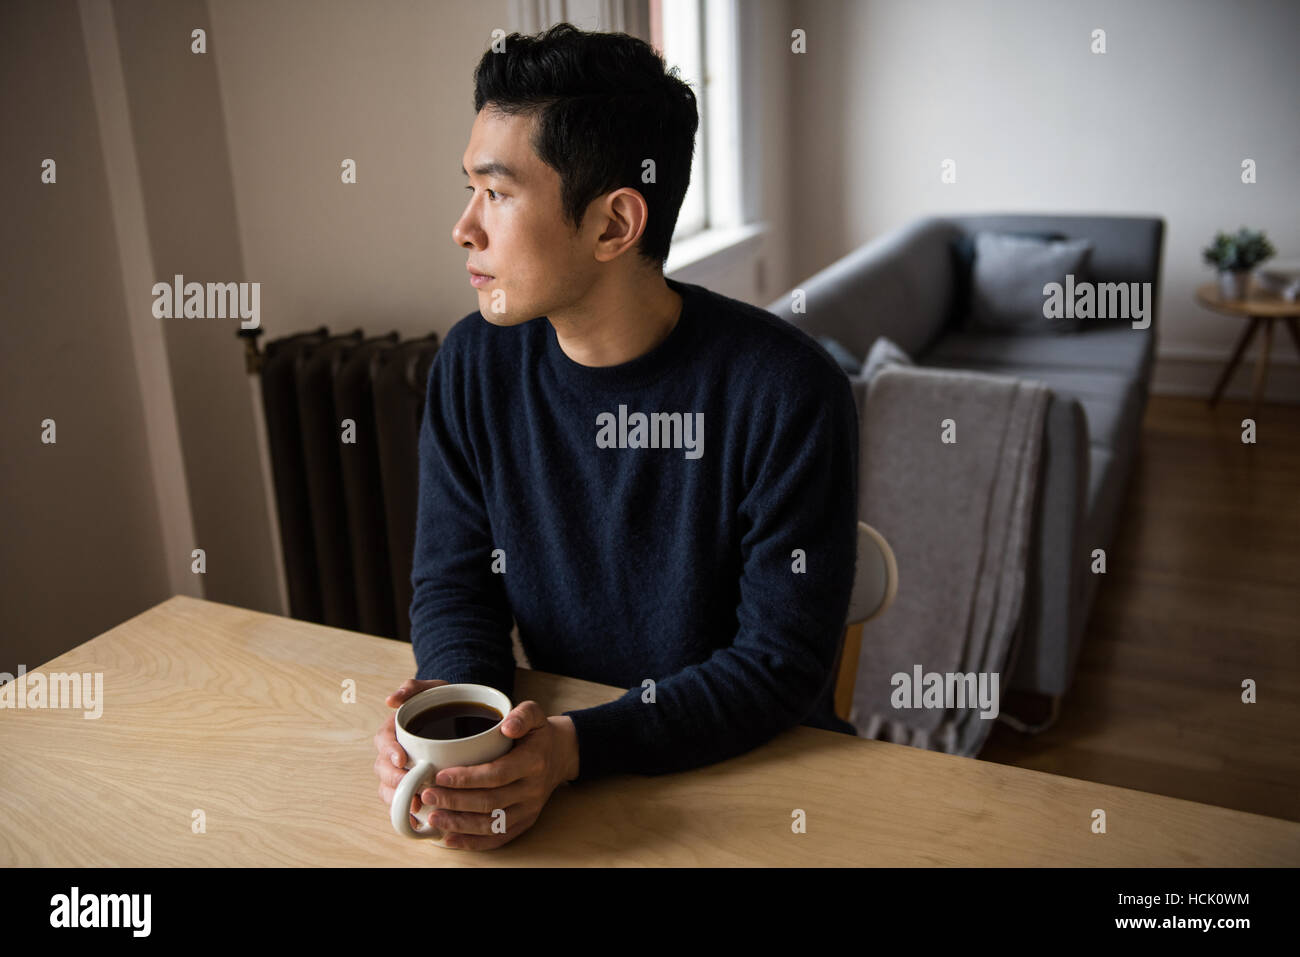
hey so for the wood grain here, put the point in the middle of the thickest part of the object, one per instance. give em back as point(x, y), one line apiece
point(240, 714)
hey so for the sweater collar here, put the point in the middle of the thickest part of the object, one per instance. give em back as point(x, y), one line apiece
point(641, 371)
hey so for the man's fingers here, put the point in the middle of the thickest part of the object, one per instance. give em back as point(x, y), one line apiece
point(487, 842)
point(386, 794)
point(519, 762)
point(409, 687)
point(393, 751)
point(462, 822)
point(388, 774)
point(523, 718)
point(402, 693)
point(475, 800)
point(386, 744)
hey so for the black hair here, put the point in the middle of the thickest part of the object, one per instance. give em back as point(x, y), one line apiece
point(604, 103)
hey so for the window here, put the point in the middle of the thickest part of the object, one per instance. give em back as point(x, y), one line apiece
point(702, 38)
point(699, 37)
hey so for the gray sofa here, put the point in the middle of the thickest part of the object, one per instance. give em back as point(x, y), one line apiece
point(903, 286)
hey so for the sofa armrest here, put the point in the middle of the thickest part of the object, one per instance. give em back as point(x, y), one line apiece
point(898, 285)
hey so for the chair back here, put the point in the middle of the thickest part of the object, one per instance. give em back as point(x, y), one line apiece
point(875, 583)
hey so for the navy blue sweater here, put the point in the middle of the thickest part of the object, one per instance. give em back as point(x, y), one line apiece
point(710, 551)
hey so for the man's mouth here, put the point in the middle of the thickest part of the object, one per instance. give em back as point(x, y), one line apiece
point(479, 279)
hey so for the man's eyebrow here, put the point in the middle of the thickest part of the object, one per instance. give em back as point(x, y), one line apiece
point(493, 169)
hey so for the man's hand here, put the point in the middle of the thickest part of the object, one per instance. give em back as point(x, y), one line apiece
point(391, 763)
point(519, 782)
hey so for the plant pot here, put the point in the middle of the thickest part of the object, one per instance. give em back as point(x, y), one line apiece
point(1234, 283)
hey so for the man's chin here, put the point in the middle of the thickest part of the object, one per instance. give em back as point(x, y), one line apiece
point(498, 318)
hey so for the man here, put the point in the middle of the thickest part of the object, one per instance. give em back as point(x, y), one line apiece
point(658, 483)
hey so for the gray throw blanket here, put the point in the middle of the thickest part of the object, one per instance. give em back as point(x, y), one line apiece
point(958, 517)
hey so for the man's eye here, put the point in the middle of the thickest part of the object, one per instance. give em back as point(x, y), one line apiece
point(493, 192)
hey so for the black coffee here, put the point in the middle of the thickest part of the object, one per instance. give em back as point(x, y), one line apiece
point(455, 719)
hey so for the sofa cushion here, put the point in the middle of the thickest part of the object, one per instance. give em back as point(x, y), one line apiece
point(1116, 347)
point(1007, 282)
point(884, 352)
point(962, 250)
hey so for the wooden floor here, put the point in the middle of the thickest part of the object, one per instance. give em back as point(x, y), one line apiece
point(1202, 591)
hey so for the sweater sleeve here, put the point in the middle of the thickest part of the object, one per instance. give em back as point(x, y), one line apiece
point(460, 615)
point(798, 553)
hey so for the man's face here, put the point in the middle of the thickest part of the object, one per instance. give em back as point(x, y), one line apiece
point(513, 229)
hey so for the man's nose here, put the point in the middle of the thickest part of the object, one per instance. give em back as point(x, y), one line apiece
point(466, 232)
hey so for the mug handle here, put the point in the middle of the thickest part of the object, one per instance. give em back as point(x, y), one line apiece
point(415, 780)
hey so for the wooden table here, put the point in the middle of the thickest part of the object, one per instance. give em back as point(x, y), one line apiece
point(1262, 309)
point(241, 714)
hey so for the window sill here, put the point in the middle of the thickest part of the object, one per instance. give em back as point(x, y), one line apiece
point(713, 248)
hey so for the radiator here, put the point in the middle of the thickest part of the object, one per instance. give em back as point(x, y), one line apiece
point(346, 509)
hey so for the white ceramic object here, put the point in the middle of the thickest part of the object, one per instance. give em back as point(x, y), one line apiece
point(426, 757)
point(1234, 283)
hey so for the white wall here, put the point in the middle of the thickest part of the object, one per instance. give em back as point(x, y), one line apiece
point(389, 84)
point(1158, 124)
point(81, 545)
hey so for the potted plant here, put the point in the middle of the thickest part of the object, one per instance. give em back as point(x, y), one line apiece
point(1234, 257)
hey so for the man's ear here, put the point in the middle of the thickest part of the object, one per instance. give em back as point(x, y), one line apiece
point(624, 214)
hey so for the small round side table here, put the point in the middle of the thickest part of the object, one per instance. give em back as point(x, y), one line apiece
point(1262, 309)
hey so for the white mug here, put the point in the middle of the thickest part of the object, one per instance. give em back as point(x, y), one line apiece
point(430, 755)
